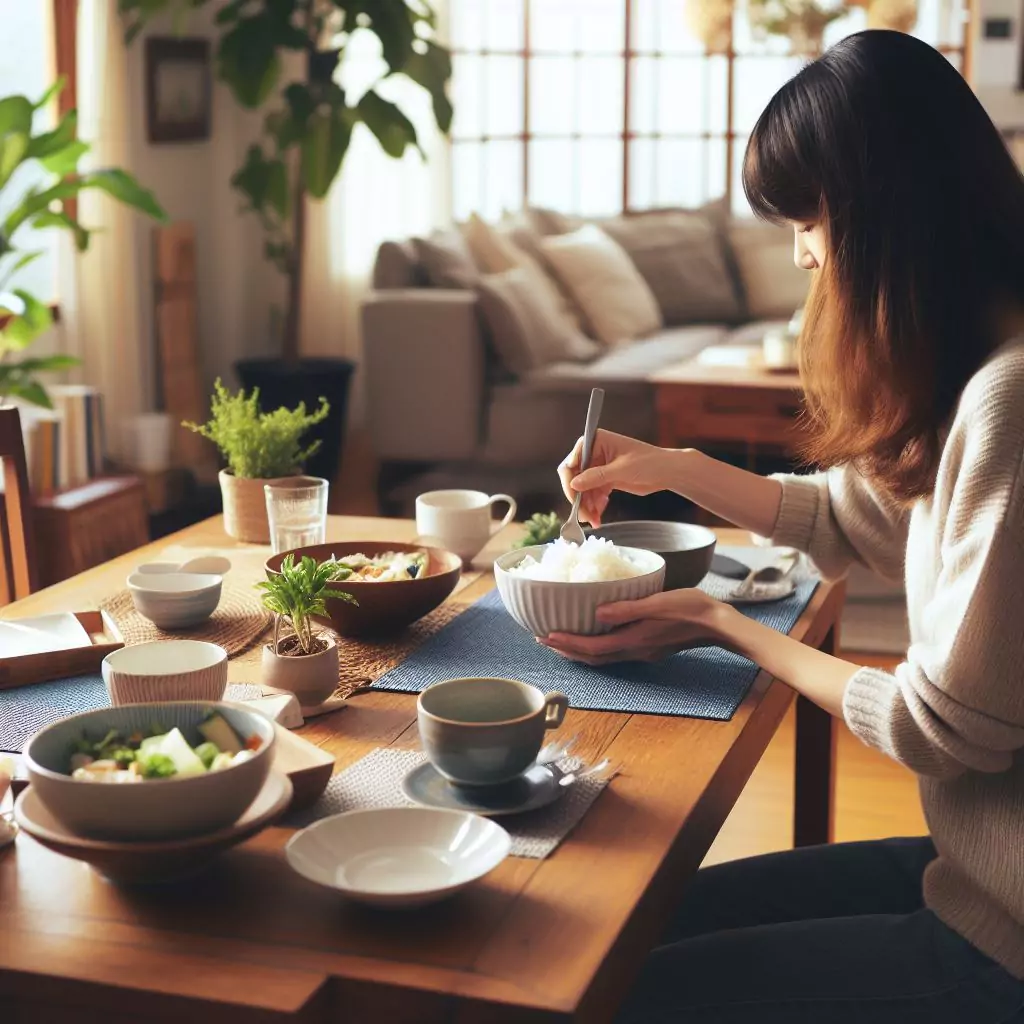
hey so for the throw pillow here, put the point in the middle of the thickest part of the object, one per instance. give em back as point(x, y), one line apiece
point(607, 288)
point(679, 254)
point(526, 328)
point(773, 285)
point(495, 251)
point(447, 260)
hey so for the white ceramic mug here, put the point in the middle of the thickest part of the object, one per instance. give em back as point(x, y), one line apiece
point(460, 520)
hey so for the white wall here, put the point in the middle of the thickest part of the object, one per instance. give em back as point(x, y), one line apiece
point(191, 181)
point(996, 65)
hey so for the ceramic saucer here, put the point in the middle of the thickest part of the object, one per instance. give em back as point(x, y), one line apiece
point(144, 863)
point(536, 788)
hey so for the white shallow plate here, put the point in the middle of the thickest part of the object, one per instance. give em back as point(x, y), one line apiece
point(398, 856)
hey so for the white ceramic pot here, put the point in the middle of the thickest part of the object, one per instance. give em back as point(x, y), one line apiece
point(245, 506)
point(311, 677)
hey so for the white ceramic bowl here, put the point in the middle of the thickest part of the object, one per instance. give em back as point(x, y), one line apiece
point(398, 856)
point(175, 600)
point(166, 670)
point(158, 808)
point(544, 608)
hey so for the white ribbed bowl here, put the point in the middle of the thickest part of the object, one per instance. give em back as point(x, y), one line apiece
point(166, 670)
point(544, 608)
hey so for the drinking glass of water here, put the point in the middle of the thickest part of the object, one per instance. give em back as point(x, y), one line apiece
point(297, 513)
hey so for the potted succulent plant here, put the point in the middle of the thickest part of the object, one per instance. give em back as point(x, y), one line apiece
point(259, 448)
point(304, 660)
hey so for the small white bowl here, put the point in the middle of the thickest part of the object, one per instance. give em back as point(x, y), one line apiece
point(175, 600)
point(398, 856)
point(543, 607)
point(166, 670)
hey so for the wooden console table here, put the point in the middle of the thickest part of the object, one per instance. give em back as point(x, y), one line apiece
point(746, 404)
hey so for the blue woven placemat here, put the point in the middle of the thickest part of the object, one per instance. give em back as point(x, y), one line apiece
point(486, 641)
point(27, 709)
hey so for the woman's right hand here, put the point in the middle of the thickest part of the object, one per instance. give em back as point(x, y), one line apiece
point(617, 463)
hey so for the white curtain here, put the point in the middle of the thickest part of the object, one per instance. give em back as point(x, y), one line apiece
point(375, 198)
point(100, 299)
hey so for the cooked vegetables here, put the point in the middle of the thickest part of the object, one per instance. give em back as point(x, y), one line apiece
point(541, 528)
point(382, 568)
point(161, 755)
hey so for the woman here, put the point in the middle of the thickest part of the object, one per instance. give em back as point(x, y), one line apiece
point(909, 214)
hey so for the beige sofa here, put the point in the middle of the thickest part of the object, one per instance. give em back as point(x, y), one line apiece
point(445, 407)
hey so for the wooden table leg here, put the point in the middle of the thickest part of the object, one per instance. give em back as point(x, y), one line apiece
point(815, 774)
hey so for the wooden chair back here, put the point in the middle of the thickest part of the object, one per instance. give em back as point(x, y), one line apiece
point(17, 549)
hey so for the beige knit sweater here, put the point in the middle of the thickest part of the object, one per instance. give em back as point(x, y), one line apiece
point(953, 711)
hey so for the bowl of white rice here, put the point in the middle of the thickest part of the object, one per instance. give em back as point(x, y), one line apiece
point(558, 587)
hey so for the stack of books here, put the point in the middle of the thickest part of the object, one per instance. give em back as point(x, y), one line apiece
point(65, 447)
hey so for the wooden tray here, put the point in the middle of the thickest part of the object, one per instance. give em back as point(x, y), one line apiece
point(80, 661)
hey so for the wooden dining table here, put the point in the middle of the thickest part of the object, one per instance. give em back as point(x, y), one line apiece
point(558, 939)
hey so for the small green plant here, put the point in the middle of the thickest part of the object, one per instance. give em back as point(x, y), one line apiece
point(23, 316)
point(296, 595)
point(258, 445)
point(541, 528)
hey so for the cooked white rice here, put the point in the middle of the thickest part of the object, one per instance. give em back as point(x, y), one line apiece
point(595, 560)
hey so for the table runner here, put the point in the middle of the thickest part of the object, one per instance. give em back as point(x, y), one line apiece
point(375, 781)
point(485, 640)
point(25, 710)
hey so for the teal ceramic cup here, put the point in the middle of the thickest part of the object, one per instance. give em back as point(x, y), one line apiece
point(483, 732)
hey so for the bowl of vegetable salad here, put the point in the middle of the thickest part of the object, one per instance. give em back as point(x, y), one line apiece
point(151, 771)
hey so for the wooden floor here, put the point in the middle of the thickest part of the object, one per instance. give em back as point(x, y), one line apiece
point(875, 798)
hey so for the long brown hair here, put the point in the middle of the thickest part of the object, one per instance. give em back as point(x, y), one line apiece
point(882, 142)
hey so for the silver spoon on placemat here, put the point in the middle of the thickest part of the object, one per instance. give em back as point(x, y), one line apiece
point(572, 532)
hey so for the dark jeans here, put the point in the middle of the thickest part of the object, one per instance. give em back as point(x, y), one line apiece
point(822, 935)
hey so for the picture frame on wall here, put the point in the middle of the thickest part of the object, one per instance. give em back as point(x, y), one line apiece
point(178, 89)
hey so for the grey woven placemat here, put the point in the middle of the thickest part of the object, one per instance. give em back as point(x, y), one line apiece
point(707, 682)
point(375, 781)
point(25, 710)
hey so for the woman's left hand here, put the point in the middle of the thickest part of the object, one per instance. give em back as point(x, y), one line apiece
point(647, 630)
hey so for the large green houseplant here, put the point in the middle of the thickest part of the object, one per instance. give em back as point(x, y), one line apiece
point(46, 204)
point(306, 134)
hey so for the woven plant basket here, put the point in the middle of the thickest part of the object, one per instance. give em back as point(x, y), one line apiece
point(245, 507)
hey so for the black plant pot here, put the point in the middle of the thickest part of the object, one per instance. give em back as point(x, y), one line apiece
point(284, 383)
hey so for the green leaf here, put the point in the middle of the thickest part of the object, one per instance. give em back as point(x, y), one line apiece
point(29, 318)
point(51, 143)
point(230, 12)
point(124, 188)
point(38, 202)
point(247, 60)
point(393, 129)
point(15, 116)
point(28, 391)
point(433, 70)
point(53, 91)
point(323, 149)
point(65, 161)
point(12, 152)
point(395, 25)
point(25, 260)
point(62, 219)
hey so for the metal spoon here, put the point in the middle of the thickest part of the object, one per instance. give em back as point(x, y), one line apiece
point(572, 532)
point(769, 574)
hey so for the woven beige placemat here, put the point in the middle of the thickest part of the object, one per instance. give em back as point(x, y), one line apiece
point(361, 662)
point(239, 621)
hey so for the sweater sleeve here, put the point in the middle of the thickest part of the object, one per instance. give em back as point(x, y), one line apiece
point(838, 518)
point(957, 703)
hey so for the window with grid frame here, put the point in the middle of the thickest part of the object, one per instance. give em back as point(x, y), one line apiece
point(597, 107)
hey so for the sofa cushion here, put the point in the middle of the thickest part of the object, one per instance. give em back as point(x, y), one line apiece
point(527, 328)
point(679, 254)
point(773, 286)
point(634, 362)
point(754, 332)
point(527, 427)
point(447, 260)
point(495, 251)
point(397, 266)
point(607, 288)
